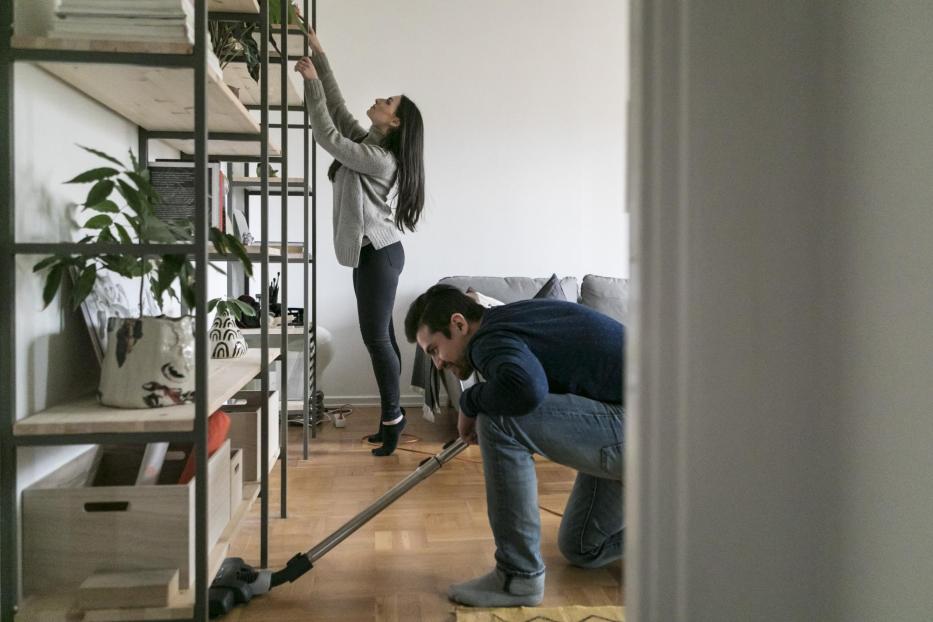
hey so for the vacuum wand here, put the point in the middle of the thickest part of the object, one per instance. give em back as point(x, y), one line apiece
point(302, 562)
point(237, 582)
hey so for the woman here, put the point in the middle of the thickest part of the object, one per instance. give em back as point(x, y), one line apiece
point(372, 171)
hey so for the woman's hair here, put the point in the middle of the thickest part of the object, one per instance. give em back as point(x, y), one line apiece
point(406, 143)
point(434, 308)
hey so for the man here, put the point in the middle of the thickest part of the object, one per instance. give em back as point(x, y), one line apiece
point(551, 384)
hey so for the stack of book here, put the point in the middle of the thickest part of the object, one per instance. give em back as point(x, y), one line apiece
point(170, 21)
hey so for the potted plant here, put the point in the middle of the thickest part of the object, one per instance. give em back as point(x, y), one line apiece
point(235, 41)
point(149, 361)
point(225, 337)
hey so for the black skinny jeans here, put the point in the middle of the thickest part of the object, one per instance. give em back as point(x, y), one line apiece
point(375, 281)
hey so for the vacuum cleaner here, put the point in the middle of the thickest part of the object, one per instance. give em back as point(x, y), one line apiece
point(237, 582)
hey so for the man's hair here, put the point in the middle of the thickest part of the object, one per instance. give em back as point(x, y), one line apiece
point(434, 308)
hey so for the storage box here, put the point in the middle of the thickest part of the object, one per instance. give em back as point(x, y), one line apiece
point(74, 524)
point(236, 479)
point(246, 433)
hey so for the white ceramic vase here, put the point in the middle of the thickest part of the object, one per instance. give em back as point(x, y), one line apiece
point(227, 342)
point(149, 362)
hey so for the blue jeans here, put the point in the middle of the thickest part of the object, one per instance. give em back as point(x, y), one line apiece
point(375, 281)
point(574, 431)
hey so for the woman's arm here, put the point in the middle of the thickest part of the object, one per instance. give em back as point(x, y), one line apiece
point(364, 158)
point(346, 123)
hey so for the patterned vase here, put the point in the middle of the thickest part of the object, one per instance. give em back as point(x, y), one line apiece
point(149, 362)
point(227, 341)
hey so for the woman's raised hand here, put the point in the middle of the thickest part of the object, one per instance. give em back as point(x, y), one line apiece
point(306, 68)
point(313, 41)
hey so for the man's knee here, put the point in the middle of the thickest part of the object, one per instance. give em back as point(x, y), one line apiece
point(579, 554)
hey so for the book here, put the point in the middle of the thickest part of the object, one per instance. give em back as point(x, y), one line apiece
point(174, 181)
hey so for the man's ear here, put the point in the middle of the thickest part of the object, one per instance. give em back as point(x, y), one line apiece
point(458, 324)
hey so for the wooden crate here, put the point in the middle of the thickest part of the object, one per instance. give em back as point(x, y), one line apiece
point(236, 479)
point(73, 529)
point(246, 433)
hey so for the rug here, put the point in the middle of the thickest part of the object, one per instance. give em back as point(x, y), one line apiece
point(574, 613)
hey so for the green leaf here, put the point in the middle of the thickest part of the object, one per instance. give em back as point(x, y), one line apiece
point(107, 206)
point(154, 230)
point(105, 235)
point(240, 252)
point(131, 195)
point(99, 192)
point(83, 286)
point(247, 309)
point(133, 160)
point(45, 263)
point(141, 181)
point(94, 174)
point(219, 241)
point(103, 155)
point(212, 303)
point(52, 282)
point(101, 221)
point(122, 232)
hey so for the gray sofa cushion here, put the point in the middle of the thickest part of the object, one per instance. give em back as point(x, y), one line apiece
point(607, 295)
point(511, 288)
point(552, 290)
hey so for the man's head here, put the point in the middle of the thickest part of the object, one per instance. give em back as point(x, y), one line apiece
point(442, 321)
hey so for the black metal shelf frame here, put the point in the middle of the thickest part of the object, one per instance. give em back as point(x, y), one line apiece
point(9, 249)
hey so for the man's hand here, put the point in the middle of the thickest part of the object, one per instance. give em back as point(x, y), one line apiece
point(306, 68)
point(466, 426)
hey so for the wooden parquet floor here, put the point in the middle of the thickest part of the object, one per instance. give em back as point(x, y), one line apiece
point(397, 567)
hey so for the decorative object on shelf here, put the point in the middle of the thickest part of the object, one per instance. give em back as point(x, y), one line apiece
point(249, 321)
point(271, 171)
point(234, 41)
point(147, 361)
point(227, 342)
point(150, 362)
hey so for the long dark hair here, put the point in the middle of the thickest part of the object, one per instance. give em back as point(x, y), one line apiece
point(406, 143)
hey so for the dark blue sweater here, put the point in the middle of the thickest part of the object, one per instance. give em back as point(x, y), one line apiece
point(530, 348)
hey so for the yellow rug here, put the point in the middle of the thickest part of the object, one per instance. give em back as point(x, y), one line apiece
point(573, 613)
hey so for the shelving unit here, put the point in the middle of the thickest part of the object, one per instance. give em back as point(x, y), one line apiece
point(173, 94)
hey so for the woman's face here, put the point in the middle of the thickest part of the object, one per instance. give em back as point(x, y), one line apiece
point(382, 112)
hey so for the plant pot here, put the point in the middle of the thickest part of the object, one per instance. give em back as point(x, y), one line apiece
point(226, 340)
point(149, 362)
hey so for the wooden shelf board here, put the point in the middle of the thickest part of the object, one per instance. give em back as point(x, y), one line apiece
point(154, 98)
point(28, 42)
point(86, 415)
point(224, 147)
point(274, 331)
point(236, 74)
point(295, 41)
point(233, 6)
point(275, 183)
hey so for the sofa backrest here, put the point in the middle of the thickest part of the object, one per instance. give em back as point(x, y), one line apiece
point(605, 294)
point(512, 288)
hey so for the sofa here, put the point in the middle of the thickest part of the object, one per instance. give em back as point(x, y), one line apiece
point(605, 294)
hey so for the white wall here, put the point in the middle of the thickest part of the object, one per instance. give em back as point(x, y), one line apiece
point(54, 356)
point(877, 308)
point(524, 105)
